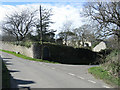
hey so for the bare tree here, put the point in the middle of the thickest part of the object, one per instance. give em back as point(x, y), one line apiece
point(66, 31)
point(44, 22)
point(83, 34)
point(112, 42)
point(20, 23)
point(66, 36)
point(107, 15)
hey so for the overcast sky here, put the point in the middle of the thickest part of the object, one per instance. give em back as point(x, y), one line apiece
point(62, 10)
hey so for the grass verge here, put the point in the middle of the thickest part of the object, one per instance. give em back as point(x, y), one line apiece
point(5, 76)
point(98, 72)
point(28, 58)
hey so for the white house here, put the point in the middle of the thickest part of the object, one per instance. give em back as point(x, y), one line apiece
point(100, 46)
point(71, 43)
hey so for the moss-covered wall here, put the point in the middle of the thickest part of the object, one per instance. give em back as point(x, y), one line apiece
point(57, 53)
point(65, 54)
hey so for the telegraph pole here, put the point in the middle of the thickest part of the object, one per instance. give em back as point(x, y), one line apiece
point(41, 36)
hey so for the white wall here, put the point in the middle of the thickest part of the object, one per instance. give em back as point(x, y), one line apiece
point(23, 50)
point(99, 47)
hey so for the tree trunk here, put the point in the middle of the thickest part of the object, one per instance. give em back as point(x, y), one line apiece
point(17, 38)
point(21, 38)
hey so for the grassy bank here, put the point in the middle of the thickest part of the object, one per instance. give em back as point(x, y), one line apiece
point(28, 58)
point(99, 73)
point(5, 76)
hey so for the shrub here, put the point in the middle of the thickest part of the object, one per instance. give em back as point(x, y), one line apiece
point(100, 73)
point(105, 52)
point(102, 55)
point(112, 63)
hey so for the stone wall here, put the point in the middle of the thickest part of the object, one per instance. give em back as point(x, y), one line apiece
point(55, 53)
point(23, 50)
point(65, 54)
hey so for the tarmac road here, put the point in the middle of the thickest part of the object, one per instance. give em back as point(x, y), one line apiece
point(31, 74)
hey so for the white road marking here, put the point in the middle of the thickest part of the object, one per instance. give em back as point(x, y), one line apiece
point(106, 87)
point(40, 63)
point(80, 77)
point(8, 62)
point(91, 81)
point(70, 65)
point(53, 68)
point(71, 74)
point(22, 85)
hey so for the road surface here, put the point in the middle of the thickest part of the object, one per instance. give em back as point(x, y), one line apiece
point(31, 74)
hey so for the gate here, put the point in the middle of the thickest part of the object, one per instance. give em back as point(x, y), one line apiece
point(46, 53)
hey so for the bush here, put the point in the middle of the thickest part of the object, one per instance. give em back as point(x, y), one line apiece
point(105, 52)
point(112, 63)
point(99, 72)
point(102, 55)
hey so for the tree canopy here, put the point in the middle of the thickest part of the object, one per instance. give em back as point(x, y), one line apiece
point(107, 15)
point(19, 24)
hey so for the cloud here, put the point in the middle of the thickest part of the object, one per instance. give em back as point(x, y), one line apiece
point(59, 1)
point(66, 13)
point(61, 13)
point(42, 0)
